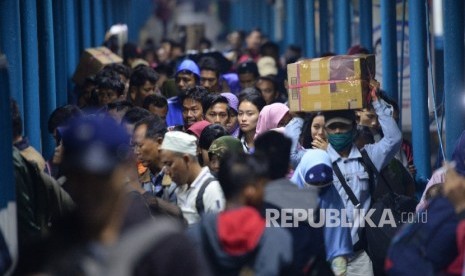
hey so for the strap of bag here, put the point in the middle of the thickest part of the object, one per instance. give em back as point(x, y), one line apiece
point(199, 199)
point(372, 168)
point(346, 187)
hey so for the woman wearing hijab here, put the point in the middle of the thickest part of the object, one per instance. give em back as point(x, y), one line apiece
point(315, 171)
point(272, 116)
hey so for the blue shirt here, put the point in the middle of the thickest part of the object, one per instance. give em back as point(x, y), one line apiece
point(354, 172)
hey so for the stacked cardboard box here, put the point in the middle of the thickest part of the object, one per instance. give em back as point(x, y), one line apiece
point(92, 61)
point(330, 83)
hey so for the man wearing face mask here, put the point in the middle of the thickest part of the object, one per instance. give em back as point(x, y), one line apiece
point(344, 154)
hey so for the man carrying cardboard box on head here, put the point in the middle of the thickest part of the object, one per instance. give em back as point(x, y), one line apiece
point(345, 156)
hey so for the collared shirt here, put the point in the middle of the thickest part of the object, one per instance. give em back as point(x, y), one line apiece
point(156, 188)
point(354, 172)
point(213, 197)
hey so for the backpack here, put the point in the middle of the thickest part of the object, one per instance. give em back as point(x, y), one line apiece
point(376, 240)
point(428, 245)
point(199, 199)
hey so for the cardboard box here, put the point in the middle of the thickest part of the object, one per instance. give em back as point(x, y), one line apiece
point(330, 83)
point(92, 61)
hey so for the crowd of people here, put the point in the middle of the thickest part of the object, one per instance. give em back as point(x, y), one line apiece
point(171, 164)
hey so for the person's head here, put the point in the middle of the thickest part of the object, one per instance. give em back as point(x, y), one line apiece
point(269, 88)
point(197, 128)
point(254, 40)
point(293, 54)
point(364, 137)
point(249, 109)
point(236, 39)
point(109, 89)
point(124, 73)
point(179, 156)
point(187, 75)
point(233, 102)
point(205, 44)
point(130, 53)
point(248, 74)
point(60, 117)
point(340, 127)
point(270, 49)
point(242, 178)
point(147, 139)
point(177, 50)
point(141, 84)
point(313, 126)
point(133, 116)
point(314, 170)
point(209, 134)
point(16, 119)
point(85, 92)
point(210, 74)
point(193, 102)
point(357, 49)
point(118, 109)
point(157, 105)
point(216, 109)
point(96, 160)
point(272, 116)
point(276, 147)
point(367, 117)
point(218, 150)
point(267, 66)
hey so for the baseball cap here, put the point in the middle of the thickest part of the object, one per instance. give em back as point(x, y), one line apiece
point(95, 144)
point(267, 66)
point(346, 117)
point(225, 144)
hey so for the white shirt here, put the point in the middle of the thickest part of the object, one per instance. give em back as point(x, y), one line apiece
point(213, 197)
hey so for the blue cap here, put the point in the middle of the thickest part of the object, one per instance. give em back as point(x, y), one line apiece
point(188, 65)
point(95, 145)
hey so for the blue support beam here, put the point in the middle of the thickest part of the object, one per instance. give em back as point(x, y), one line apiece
point(98, 30)
point(265, 18)
point(453, 71)
point(109, 17)
point(389, 47)
point(46, 71)
point(7, 185)
point(310, 43)
point(10, 44)
point(30, 59)
point(366, 24)
point(324, 26)
point(72, 50)
point(291, 22)
point(85, 25)
point(61, 63)
point(342, 25)
point(419, 88)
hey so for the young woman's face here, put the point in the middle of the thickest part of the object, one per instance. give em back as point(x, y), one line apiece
point(247, 116)
point(318, 127)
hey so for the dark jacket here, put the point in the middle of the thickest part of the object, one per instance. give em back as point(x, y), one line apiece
point(272, 255)
point(308, 242)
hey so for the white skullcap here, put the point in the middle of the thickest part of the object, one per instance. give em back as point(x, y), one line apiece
point(181, 142)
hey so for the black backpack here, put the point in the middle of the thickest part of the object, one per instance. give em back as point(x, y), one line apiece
point(376, 240)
